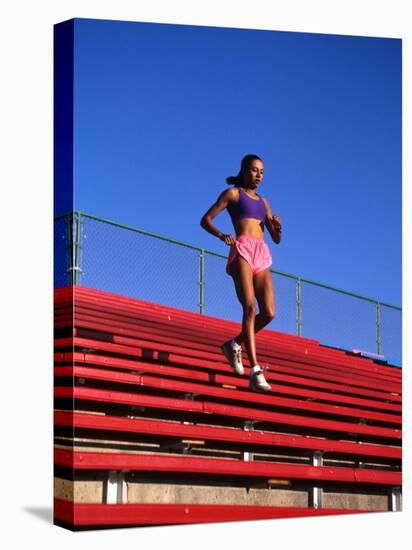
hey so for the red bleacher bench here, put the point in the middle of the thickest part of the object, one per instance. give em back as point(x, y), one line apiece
point(142, 392)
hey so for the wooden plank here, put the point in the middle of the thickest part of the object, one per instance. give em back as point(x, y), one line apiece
point(112, 325)
point(210, 407)
point(82, 514)
point(222, 376)
point(191, 318)
point(182, 356)
point(190, 464)
point(214, 433)
point(174, 315)
point(229, 393)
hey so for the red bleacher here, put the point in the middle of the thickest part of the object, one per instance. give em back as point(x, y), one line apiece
point(152, 426)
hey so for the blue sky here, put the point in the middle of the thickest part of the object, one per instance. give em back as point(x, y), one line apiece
point(164, 113)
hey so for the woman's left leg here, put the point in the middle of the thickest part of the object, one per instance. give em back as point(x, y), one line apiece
point(263, 287)
point(265, 296)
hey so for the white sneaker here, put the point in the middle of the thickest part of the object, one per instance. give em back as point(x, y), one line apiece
point(233, 353)
point(257, 381)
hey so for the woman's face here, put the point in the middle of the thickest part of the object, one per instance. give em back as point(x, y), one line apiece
point(254, 174)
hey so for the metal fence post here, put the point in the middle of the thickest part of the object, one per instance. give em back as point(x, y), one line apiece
point(378, 327)
point(299, 306)
point(201, 281)
point(74, 248)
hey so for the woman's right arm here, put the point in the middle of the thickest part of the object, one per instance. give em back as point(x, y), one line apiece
point(206, 222)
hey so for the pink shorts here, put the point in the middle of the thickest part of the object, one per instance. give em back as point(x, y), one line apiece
point(255, 251)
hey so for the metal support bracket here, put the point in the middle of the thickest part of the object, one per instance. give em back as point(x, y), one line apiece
point(316, 493)
point(114, 488)
point(360, 463)
point(248, 426)
point(187, 449)
point(395, 499)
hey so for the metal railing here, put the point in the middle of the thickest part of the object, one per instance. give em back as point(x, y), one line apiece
point(106, 255)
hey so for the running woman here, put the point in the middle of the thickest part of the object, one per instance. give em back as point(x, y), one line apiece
point(248, 262)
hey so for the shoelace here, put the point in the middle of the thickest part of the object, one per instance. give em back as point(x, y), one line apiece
point(262, 372)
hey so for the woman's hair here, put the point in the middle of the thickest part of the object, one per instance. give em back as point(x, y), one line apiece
point(237, 180)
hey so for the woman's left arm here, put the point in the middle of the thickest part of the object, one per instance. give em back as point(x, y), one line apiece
point(274, 224)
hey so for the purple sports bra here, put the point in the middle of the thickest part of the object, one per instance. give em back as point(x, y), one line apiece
point(246, 207)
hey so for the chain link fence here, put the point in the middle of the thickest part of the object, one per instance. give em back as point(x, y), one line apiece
point(105, 255)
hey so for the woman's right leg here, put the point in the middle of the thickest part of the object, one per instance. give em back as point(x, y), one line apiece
point(243, 279)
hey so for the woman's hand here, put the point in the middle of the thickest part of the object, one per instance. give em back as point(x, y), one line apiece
point(276, 222)
point(228, 239)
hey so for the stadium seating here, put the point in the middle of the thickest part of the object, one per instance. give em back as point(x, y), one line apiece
point(153, 427)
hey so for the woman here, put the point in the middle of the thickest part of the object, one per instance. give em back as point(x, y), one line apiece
point(249, 260)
